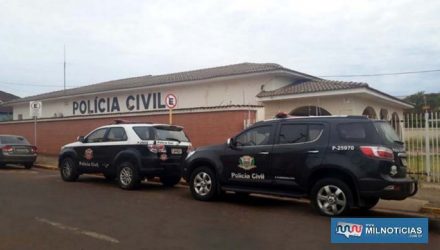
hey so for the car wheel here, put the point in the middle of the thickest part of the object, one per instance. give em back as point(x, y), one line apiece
point(170, 180)
point(331, 197)
point(68, 170)
point(203, 184)
point(28, 165)
point(369, 203)
point(128, 176)
point(110, 177)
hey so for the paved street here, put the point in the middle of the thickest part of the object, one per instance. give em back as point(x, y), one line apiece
point(39, 211)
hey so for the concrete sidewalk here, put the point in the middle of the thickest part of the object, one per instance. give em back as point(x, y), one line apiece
point(425, 203)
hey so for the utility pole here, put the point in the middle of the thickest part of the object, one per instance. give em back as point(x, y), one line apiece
point(64, 67)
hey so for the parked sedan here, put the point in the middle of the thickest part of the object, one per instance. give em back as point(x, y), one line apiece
point(15, 149)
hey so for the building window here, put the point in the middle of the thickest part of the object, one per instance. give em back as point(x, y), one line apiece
point(20, 117)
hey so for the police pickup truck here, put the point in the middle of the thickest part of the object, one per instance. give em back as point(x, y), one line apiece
point(129, 152)
point(339, 162)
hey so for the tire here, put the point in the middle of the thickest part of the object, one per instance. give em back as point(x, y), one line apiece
point(69, 170)
point(170, 180)
point(28, 165)
point(109, 177)
point(203, 184)
point(331, 197)
point(128, 176)
point(369, 203)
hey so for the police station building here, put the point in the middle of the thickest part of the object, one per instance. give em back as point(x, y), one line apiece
point(212, 104)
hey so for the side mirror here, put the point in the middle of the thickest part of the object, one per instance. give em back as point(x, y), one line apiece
point(80, 138)
point(231, 143)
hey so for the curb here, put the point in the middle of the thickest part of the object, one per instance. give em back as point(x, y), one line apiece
point(430, 210)
point(45, 167)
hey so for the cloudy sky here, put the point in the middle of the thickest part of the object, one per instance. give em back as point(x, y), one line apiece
point(113, 39)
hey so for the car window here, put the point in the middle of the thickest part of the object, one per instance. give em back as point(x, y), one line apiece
point(143, 132)
point(298, 133)
point(13, 140)
point(388, 133)
point(170, 134)
point(97, 135)
point(352, 131)
point(315, 131)
point(255, 136)
point(116, 134)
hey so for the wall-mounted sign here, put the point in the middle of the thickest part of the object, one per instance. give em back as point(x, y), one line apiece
point(101, 105)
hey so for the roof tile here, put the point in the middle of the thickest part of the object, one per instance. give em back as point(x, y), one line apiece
point(312, 86)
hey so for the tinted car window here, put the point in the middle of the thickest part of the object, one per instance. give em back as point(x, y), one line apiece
point(97, 136)
point(116, 134)
point(388, 133)
point(13, 140)
point(352, 131)
point(315, 131)
point(255, 136)
point(143, 132)
point(170, 133)
point(297, 133)
point(293, 133)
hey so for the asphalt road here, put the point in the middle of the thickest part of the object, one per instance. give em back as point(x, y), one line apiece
point(40, 211)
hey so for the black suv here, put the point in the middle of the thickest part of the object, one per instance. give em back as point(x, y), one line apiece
point(339, 162)
point(129, 152)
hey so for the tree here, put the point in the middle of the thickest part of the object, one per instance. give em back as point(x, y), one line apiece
point(420, 100)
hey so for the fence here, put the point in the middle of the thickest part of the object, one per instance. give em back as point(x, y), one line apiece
point(421, 134)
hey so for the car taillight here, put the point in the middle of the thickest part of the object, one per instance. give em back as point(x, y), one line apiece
point(34, 150)
point(377, 152)
point(157, 148)
point(7, 148)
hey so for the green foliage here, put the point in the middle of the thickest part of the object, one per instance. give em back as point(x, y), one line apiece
point(418, 99)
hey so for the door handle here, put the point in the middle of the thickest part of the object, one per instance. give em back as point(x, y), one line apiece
point(263, 153)
point(313, 151)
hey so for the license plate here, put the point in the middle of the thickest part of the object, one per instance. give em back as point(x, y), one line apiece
point(404, 162)
point(21, 150)
point(176, 151)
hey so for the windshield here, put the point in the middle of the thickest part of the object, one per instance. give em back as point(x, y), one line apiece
point(17, 140)
point(388, 132)
point(170, 134)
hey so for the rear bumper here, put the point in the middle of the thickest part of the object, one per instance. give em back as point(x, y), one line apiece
point(157, 167)
point(388, 188)
point(18, 158)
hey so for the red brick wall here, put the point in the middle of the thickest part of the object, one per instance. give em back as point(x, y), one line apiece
point(202, 128)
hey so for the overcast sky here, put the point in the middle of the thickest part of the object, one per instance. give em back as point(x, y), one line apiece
point(113, 39)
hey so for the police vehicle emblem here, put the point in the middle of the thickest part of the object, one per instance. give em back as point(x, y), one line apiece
point(88, 154)
point(246, 162)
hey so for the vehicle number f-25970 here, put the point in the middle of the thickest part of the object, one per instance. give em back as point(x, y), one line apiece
point(342, 147)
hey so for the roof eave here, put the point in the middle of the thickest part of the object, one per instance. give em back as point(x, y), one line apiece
point(227, 77)
point(363, 89)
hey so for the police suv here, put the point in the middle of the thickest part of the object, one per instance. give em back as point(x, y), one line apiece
point(129, 152)
point(339, 162)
